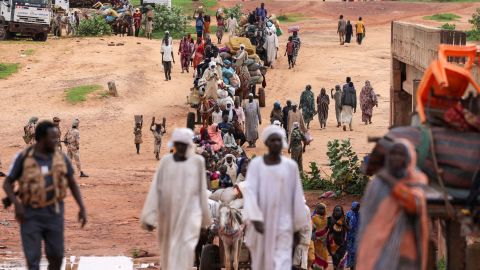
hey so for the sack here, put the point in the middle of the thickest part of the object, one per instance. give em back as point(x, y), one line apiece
point(308, 137)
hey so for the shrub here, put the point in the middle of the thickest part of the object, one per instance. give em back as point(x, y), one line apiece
point(313, 179)
point(345, 166)
point(94, 26)
point(475, 20)
point(442, 17)
point(170, 19)
point(448, 26)
point(236, 11)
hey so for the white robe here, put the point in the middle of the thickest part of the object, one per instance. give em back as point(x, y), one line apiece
point(177, 205)
point(274, 196)
point(271, 45)
point(300, 257)
point(232, 25)
point(211, 88)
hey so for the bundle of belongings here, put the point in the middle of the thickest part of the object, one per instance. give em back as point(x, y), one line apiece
point(227, 72)
point(111, 13)
point(445, 133)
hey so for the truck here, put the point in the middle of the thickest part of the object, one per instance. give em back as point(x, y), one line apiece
point(25, 18)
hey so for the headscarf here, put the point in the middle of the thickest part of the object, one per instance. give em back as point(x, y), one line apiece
point(377, 226)
point(277, 105)
point(271, 130)
point(216, 136)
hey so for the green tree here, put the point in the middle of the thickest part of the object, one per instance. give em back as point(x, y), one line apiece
point(169, 19)
point(94, 27)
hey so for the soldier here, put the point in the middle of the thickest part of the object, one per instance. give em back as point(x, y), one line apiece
point(72, 140)
point(158, 130)
point(56, 123)
point(29, 130)
point(44, 174)
point(137, 130)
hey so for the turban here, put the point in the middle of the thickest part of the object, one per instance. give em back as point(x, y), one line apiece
point(275, 130)
point(181, 135)
point(296, 125)
point(277, 123)
point(212, 64)
point(75, 123)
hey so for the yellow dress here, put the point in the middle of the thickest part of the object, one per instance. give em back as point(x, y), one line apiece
point(320, 242)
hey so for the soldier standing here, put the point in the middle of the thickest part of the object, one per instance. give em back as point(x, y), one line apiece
point(138, 135)
point(72, 140)
point(56, 123)
point(44, 174)
point(29, 130)
point(158, 130)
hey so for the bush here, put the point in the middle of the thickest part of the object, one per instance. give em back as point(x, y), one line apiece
point(443, 17)
point(313, 179)
point(8, 69)
point(170, 19)
point(448, 26)
point(236, 11)
point(94, 26)
point(473, 35)
point(475, 20)
point(79, 93)
point(345, 165)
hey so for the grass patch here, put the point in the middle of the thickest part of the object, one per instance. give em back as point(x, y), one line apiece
point(28, 52)
point(79, 93)
point(189, 6)
point(8, 69)
point(135, 3)
point(443, 17)
point(287, 18)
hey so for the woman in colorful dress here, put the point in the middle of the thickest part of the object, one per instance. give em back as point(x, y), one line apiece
point(319, 220)
point(368, 100)
point(220, 25)
point(185, 53)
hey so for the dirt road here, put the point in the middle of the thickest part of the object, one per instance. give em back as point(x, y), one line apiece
point(119, 178)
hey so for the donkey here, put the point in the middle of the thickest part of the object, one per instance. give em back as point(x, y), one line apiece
point(231, 234)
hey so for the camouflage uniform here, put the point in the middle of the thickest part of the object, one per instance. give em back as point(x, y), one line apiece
point(296, 148)
point(29, 130)
point(56, 121)
point(72, 139)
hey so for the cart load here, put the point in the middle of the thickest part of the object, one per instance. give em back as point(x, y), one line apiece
point(234, 45)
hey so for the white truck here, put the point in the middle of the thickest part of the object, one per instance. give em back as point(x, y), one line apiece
point(25, 18)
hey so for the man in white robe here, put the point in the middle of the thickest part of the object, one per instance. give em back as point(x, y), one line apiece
point(211, 76)
point(271, 46)
point(300, 258)
point(232, 25)
point(177, 203)
point(274, 207)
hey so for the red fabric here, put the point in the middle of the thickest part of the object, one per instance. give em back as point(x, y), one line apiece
point(137, 19)
point(290, 47)
point(456, 119)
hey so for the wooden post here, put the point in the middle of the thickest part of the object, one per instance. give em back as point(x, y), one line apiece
point(112, 89)
point(456, 246)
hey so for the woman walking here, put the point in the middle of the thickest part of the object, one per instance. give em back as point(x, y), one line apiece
point(368, 100)
point(185, 52)
point(337, 238)
point(348, 32)
point(319, 220)
point(323, 101)
point(220, 25)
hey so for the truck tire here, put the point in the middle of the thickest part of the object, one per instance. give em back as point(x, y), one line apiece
point(261, 97)
point(40, 37)
point(210, 258)
point(191, 120)
point(4, 33)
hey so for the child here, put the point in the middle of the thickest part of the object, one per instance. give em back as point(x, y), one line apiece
point(229, 139)
point(225, 180)
point(289, 52)
point(137, 131)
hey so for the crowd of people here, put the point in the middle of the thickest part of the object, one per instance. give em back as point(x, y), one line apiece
point(345, 30)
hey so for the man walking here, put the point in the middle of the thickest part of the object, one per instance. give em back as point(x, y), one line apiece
point(167, 58)
point(341, 29)
point(43, 173)
point(232, 26)
point(273, 205)
point(180, 210)
point(338, 104)
point(72, 140)
point(349, 105)
point(285, 112)
point(307, 105)
point(360, 30)
point(252, 120)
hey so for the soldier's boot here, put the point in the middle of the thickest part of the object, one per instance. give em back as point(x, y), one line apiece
point(82, 174)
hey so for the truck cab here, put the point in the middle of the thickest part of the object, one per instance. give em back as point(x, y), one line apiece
point(25, 18)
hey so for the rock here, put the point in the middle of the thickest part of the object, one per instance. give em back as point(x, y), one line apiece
point(112, 89)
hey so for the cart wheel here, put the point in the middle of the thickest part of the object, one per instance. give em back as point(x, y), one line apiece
point(261, 97)
point(191, 120)
point(210, 258)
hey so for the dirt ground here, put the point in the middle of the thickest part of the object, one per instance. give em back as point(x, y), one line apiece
point(119, 179)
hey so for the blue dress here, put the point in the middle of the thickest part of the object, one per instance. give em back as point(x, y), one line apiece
point(353, 221)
